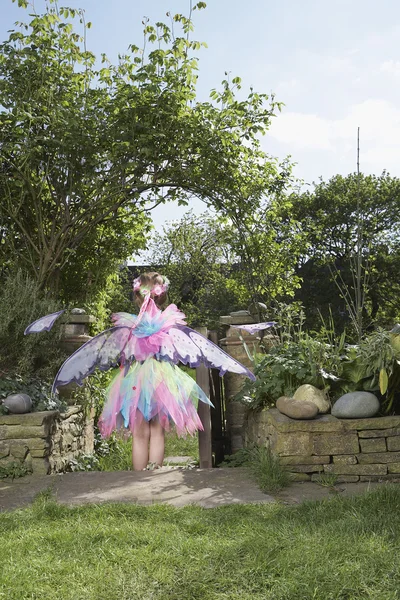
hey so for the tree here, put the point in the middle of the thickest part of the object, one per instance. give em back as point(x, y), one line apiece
point(195, 256)
point(85, 152)
point(267, 242)
point(329, 215)
point(217, 265)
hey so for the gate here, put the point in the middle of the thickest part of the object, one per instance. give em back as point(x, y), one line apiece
point(212, 439)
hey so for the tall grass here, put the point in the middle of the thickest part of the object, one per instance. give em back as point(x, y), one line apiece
point(262, 464)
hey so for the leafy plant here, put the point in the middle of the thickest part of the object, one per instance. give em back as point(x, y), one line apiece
point(93, 394)
point(38, 390)
point(284, 369)
point(374, 366)
point(12, 470)
point(21, 302)
point(335, 213)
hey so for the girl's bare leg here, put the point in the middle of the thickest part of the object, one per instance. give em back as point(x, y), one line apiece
point(157, 442)
point(140, 446)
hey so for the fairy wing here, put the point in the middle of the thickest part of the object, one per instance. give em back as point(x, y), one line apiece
point(44, 323)
point(191, 348)
point(123, 318)
point(103, 351)
point(254, 327)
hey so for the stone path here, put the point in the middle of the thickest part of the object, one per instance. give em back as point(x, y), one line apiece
point(176, 486)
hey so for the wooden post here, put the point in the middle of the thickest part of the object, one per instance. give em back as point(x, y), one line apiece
point(203, 381)
point(217, 426)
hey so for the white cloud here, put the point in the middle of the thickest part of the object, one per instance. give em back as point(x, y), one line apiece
point(301, 130)
point(379, 122)
point(391, 66)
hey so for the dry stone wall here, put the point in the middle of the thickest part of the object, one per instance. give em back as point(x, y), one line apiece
point(45, 441)
point(352, 449)
point(233, 383)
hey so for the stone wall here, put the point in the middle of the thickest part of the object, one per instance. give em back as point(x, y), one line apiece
point(352, 449)
point(233, 345)
point(45, 441)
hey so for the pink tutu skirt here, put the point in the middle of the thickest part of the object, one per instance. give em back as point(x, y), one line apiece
point(152, 389)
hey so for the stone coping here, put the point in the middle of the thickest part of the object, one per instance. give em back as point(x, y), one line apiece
point(231, 341)
point(235, 320)
point(71, 319)
point(38, 418)
point(326, 423)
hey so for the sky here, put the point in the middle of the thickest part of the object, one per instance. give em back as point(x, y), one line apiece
point(334, 63)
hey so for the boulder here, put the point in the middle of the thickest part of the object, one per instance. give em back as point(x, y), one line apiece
point(356, 405)
point(18, 403)
point(309, 393)
point(296, 409)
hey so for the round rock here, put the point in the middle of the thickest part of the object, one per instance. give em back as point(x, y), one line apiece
point(18, 403)
point(309, 393)
point(356, 405)
point(78, 311)
point(296, 409)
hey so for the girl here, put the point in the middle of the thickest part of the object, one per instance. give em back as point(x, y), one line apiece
point(150, 392)
point(154, 392)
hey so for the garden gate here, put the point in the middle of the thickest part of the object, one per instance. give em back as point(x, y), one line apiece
point(211, 440)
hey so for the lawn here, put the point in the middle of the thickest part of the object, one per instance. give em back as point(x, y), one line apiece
point(337, 549)
point(120, 456)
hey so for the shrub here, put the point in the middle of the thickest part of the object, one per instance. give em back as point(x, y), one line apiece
point(38, 390)
point(284, 369)
point(21, 302)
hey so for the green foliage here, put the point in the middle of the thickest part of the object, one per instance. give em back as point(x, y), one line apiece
point(374, 366)
point(295, 359)
point(114, 296)
point(330, 216)
point(267, 470)
point(196, 257)
point(115, 453)
point(21, 302)
point(324, 360)
point(12, 470)
point(283, 370)
point(263, 464)
point(93, 394)
point(267, 243)
point(222, 262)
point(85, 152)
point(328, 480)
point(38, 390)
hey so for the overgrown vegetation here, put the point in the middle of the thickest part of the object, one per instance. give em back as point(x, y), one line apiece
point(14, 469)
point(38, 390)
point(325, 360)
point(118, 139)
point(339, 214)
point(262, 464)
point(21, 302)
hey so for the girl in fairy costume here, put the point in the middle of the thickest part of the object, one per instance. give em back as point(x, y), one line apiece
point(150, 392)
point(154, 392)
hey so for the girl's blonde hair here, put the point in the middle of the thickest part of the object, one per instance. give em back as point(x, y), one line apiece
point(151, 282)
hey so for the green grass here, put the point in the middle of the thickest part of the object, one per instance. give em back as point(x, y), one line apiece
point(264, 466)
point(120, 456)
point(339, 549)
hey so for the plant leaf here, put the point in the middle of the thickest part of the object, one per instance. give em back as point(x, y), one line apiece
point(383, 381)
